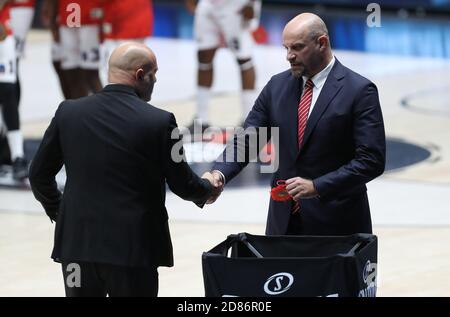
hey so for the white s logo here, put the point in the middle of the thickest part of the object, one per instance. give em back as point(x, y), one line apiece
point(283, 282)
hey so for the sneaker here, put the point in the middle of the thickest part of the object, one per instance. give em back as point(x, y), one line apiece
point(20, 169)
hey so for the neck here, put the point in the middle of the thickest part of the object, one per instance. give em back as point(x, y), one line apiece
point(121, 78)
point(322, 65)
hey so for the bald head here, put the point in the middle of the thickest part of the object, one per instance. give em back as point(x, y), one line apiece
point(129, 57)
point(308, 23)
point(133, 64)
point(308, 45)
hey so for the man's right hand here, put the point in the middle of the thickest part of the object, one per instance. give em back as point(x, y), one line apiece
point(217, 182)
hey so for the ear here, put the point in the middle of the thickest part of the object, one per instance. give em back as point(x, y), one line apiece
point(323, 41)
point(140, 74)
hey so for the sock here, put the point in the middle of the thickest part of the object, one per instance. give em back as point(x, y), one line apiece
point(248, 98)
point(203, 96)
point(15, 141)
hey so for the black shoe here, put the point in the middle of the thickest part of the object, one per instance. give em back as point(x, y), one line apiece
point(20, 169)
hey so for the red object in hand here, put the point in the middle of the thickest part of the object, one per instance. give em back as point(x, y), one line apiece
point(280, 193)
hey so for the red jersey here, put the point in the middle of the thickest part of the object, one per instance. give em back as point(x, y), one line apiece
point(127, 19)
point(4, 18)
point(23, 3)
point(90, 11)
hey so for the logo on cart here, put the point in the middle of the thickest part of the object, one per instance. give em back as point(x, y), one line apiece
point(370, 279)
point(278, 284)
point(370, 272)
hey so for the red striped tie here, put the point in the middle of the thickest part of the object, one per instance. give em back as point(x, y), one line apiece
point(303, 112)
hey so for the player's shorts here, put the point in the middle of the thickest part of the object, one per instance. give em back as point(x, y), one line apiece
point(20, 22)
point(106, 49)
point(212, 25)
point(56, 52)
point(80, 47)
point(8, 69)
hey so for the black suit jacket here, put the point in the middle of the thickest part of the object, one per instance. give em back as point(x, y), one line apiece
point(116, 150)
point(343, 149)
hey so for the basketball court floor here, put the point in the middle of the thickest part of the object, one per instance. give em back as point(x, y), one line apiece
point(410, 203)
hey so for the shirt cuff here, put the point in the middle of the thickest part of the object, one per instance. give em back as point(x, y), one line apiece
point(223, 176)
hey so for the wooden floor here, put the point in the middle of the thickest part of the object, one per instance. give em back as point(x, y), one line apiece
point(412, 261)
point(411, 206)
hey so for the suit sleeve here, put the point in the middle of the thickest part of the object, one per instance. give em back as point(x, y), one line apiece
point(370, 149)
point(239, 152)
point(179, 175)
point(47, 162)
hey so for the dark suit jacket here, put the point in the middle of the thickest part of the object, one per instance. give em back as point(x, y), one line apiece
point(343, 149)
point(116, 150)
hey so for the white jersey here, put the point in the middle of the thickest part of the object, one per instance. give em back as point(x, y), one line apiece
point(8, 71)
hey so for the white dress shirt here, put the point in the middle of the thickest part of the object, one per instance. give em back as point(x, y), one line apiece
point(318, 80)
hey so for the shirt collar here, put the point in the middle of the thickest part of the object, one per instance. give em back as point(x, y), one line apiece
point(320, 78)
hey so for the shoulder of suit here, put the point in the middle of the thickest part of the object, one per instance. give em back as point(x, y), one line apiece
point(356, 78)
point(156, 113)
point(282, 76)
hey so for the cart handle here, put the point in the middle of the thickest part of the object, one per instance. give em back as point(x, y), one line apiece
point(252, 248)
point(353, 250)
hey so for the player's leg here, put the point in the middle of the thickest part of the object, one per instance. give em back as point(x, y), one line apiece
point(71, 62)
point(240, 41)
point(90, 56)
point(205, 79)
point(208, 40)
point(56, 61)
point(248, 77)
point(10, 107)
point(20, 22)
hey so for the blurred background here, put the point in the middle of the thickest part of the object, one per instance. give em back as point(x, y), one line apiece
point(405, 51)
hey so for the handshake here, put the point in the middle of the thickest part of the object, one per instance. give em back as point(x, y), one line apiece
point(217, 183)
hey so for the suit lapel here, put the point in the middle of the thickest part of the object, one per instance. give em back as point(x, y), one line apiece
point(330, 89)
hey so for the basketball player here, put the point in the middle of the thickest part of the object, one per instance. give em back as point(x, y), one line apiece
point(231, 21)
point(80, 45)
point(8, 99)
point(50, 20)
point(22, 13)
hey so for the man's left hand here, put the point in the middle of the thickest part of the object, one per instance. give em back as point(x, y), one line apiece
point(300, 188)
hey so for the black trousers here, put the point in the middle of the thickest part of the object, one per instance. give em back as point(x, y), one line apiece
point(82, 279)
point(295, 226)
point(10, 107)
